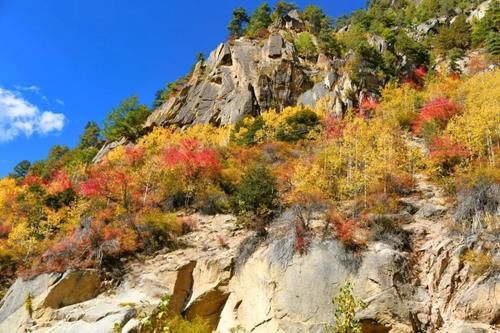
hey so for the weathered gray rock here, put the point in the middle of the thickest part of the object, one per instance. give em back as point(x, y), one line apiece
point(378, 43)
point(431, 25)
point(17, 293)
point(430, 210)
point(107, 148)
point(274, 46)
point(268, 297)
point(73, 287)
point(290, 21)
point(240, 78)
point(479, 12)
point(47, 290)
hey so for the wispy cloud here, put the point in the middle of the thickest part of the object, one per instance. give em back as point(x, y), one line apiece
point(60, 102)
point(20, 117)
point(33, 89)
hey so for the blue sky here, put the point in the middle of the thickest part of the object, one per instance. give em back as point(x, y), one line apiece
point(65, 62)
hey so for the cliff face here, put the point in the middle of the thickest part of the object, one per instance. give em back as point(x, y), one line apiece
point(412, 281)
point(247, 77)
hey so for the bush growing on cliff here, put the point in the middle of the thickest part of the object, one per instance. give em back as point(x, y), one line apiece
point(164, 320)
point(305, 46)
point(346, 305)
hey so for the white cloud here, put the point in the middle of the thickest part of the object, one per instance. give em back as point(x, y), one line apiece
point(50, 122)
point(60, 102)
point(20, 117)
point(33, 89)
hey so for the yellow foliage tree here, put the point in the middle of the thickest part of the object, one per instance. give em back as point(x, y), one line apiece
point(478, 127)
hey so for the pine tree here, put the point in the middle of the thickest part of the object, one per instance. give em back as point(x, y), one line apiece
point(21, 169)
point(235, 27)
point(91, 136)
point(260, 19)
point(126, 120)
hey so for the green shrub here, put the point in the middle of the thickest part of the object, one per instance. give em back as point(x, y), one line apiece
point(256, 194)
point(245, 130)
point(455, 36)
point(28, 304)
point(488, 26)
point(346, 306)
point(298, 126)
point(479, 262)
point(328, 44)
point(162, 320)
point(415, 52)
point(305, 46)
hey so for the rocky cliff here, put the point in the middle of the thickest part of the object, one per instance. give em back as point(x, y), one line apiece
point(247, 77)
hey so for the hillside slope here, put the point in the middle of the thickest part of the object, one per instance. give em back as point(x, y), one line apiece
point(301, 162)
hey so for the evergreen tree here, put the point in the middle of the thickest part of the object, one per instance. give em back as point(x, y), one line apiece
point(316, 18)
point(456, 36)
point(260, 19)
point(240, 18)
point(282, 8)
point(21, 170)
point(126, 120)
point(91, 136)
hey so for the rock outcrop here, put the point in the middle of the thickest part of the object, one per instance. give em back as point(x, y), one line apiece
point(247, 77)
point(239, 78)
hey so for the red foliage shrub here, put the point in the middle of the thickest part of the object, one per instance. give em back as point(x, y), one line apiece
point(59, 182)
point(222, 241)
point(334, 127)
point(262, 33)
point(416, 79)
point(444, 148)
point(33, 179)
point(134, 154)
point(94, 186)
point(368, 104)
point(188, 224)
point(420, 72)
point(192, 158)
point(5, 230)
point(439, 110)
point(301, 241)
point(347, 230)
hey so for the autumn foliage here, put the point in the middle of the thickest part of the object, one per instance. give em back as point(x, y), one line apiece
point(306, 161)
point(439, 111)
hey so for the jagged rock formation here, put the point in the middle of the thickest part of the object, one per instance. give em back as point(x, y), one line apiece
point(239, 78)
point(247, 77)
